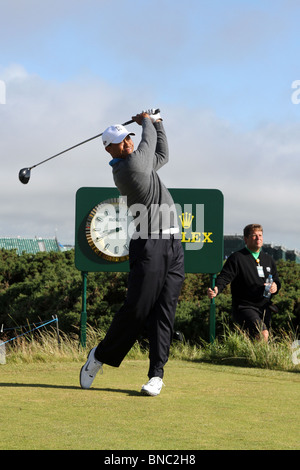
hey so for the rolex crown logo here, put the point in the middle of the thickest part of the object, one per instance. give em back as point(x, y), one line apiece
point(186, 219)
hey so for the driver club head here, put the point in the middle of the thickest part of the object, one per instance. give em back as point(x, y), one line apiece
point(24, 175)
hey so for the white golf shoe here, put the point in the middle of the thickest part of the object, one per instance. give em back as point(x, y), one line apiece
point(153, 387)
point(89, 370)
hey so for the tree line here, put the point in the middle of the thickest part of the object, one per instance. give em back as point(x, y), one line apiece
point(33, 287)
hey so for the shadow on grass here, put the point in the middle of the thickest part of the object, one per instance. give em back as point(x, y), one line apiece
point(132, 393)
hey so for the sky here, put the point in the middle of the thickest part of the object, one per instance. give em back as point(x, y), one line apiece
point(222, 73)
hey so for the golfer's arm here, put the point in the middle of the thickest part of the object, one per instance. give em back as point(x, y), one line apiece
point(161, 156)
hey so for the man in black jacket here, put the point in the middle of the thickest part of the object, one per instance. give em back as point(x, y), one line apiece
point(247, 270)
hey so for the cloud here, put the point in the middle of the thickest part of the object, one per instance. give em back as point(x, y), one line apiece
point(41, 118)
point(257, 170)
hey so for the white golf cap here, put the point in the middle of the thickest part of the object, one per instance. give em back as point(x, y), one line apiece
point(115, 134)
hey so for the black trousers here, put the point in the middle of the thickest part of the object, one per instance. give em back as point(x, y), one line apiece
point(253, 319)
point(154, 284)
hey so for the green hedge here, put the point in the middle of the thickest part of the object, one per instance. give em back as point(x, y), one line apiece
point(35, 287)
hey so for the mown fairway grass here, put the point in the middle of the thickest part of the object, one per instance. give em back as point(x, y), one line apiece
point(203, 406)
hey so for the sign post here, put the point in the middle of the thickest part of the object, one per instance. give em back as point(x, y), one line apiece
point(212, 316)
point(83, 317)
point(200, 217)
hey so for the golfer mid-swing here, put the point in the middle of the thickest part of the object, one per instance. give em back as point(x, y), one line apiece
point(155, 255)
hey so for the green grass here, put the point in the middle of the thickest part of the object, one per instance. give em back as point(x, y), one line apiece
point(203, 406)
point(232, 394)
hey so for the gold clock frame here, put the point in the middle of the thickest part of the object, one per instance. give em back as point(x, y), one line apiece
point(114, 202)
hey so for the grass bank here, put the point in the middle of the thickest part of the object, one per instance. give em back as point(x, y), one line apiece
point(232, 394)
point(202, 407)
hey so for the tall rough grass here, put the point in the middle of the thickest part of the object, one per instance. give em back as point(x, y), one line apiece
point(237, 348)
point(47, 346)
point(233, 348)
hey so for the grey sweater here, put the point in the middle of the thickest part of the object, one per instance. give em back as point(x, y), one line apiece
point(136, 178)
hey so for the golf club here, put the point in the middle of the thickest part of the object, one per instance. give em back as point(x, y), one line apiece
point(24, 173)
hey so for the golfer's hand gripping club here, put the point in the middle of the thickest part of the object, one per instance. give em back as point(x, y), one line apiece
point(154, 114)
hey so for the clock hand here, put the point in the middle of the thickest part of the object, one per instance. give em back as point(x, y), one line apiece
point(117, 229)
point(108, 232)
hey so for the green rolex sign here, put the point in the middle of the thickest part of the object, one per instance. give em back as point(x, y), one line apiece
point(200, 213)
point(104, 226)
point(200, 218)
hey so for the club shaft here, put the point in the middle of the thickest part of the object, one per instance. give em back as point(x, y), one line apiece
point(64, 151)
point(81, 143)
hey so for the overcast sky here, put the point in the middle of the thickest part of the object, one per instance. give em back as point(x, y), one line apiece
point(221, 71)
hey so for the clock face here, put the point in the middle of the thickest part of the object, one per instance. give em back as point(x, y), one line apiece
point(109, 228)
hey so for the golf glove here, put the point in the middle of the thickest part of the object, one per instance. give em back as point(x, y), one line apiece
point(152, 116)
